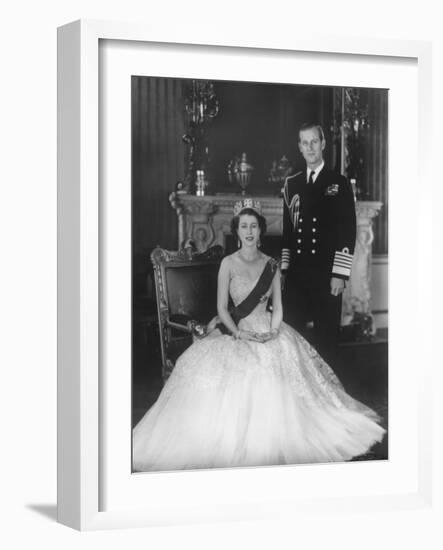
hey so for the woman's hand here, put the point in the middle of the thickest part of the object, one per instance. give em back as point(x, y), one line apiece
point(261, 337)
point(267, 336)
point(249, 335)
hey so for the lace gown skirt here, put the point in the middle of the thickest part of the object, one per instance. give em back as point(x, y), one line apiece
point(239, 403)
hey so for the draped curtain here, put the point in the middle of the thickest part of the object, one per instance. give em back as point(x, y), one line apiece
point(377, 165)
point(158, 159)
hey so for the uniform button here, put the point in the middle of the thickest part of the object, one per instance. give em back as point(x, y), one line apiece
point(298, 251)
point(314, 240)
point(299, 240)
point(301, 220)
point(314, 219)
point(313, 230)
point(313, 251)
point(299, 230)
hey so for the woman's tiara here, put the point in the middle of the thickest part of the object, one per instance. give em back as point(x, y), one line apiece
point(247, 203)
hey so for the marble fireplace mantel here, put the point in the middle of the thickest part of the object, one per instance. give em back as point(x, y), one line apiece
point(206, 221)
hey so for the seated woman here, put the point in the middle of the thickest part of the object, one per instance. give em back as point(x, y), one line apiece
point(253, 392)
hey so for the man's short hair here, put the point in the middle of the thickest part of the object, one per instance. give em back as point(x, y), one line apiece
point(309, 126)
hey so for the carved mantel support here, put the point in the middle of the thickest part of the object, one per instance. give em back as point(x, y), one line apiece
point(357, 295)
point(206, 221)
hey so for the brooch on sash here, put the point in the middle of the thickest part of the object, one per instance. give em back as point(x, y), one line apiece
point(332, 190)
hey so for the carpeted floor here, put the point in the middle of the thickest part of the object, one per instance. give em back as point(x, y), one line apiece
point(362, 368)
point(363, 371)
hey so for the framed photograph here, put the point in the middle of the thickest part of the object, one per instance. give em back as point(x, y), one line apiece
point(160, 142)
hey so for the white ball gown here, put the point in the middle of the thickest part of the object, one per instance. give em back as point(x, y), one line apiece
point(235, 403)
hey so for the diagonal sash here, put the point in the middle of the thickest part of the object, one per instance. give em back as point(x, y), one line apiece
point(248, 305)
point(244, 308)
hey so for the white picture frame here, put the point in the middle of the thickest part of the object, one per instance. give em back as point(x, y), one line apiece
point(81, 391)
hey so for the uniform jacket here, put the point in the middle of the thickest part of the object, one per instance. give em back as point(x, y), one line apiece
point(319, 225)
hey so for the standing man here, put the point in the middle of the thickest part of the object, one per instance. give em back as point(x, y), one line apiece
point(319, 230)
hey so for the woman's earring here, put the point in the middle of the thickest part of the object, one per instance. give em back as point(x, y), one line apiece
point(259, 243)
point(238, 243)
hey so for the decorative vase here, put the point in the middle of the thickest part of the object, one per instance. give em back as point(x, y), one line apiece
point(278, 173)
point(240, 172)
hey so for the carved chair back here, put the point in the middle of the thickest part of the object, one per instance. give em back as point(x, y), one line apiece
point(186, 292)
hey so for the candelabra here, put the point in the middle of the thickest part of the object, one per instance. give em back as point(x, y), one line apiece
point(201, 105)
point(350, 130)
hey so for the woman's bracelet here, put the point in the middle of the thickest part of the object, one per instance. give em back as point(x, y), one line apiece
point(237, 334)
point(274, 331)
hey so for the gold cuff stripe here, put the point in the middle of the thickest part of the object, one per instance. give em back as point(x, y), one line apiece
point(338, 270)
point(342, 258)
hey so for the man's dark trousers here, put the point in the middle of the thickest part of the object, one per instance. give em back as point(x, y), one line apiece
point(307, 301)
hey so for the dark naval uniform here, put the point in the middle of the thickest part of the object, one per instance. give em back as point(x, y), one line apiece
point(319, 230)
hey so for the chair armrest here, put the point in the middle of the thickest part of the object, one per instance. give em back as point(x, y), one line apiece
point(178, 326)
point(193, 327)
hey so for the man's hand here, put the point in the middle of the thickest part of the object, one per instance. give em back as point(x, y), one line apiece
point(337, 286)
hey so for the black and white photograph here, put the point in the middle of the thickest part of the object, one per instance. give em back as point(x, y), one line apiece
point(222, 275)
point(259, 274)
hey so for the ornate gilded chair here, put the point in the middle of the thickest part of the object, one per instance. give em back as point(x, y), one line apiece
point(186, 291)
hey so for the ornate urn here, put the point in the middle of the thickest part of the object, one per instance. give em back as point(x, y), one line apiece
point(240, 172)
point(278, 173)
